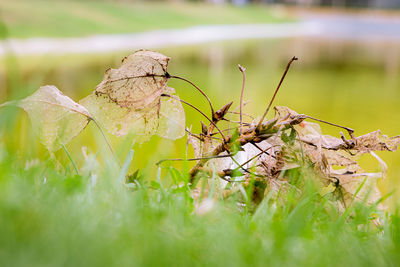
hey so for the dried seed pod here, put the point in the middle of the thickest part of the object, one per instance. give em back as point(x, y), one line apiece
point(220, 114)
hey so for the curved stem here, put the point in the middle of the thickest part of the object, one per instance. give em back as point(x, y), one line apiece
point(105, 138)
point(243, 71)
point(349, 130)
point(198, 89)
point(198, 110)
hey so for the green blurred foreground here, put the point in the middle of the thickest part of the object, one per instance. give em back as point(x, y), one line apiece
point(25, 18)
point(56, 218)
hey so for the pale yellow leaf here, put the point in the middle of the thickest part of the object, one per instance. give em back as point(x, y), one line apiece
point(56, 118)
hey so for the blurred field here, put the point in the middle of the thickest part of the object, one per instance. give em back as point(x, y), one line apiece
point(41, 18)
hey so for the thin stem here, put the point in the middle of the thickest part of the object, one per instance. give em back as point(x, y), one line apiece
point(225, 130)
point(70, 158)
point(276, 91)
point(243, 71)
point(241, 167)
point(244, 123)
point(244, 114)
point(259, 148)
point(168, 76)
point(192, 134)
point(198, 89)
point(349, 130)
point(259, 154)
point(105, 138)
point(195, 159)
point(213, 137)
point(198, 110)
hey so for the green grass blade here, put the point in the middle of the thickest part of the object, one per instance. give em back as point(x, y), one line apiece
point(70, 158)
point(125, 166)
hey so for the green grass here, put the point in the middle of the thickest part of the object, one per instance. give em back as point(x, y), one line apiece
point(52, 217)
point(63, 18)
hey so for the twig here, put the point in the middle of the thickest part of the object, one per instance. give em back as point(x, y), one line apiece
point(238, 122)
point(198, 110)
point(249, 135)
point(276, 91)
point(192, 134)
point(259, 154)
point(195, 86)
point(259, 148)
point(195, 159)
point(244, 114)
point(243, 71)
point(349, 130)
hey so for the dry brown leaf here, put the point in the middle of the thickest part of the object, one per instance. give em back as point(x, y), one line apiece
point(128, 100)
point(376, 141)
point(139, 81)
point(55, 117)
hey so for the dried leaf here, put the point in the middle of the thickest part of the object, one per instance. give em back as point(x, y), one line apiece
point(196, 144)
point(138, 83)
point(376, 141)
point(369, 190)
point(56, 118)
point(171, 119)
point(128, 100)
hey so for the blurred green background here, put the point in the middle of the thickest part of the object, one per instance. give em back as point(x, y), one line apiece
point(348, 73)
point(353, 82)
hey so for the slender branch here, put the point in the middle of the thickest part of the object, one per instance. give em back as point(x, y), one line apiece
point(276, 91)
point(198, 110)
point(224, 130)
point(243, 71)
point(213, 137)
point(259, 148)
point(168, 76)
point(349, 130)
point(259, 154)
point(195, 159)
point(198, 89)
point(192, 134)
point(238, 122)
point(244, 114)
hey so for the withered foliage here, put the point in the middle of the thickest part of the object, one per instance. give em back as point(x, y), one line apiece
point(55, 117)
point(135, 99)
point(288, 142)
point(128, 100)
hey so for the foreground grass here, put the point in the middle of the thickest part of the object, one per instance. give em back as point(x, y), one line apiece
point(53, 217)
point(64, 18)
